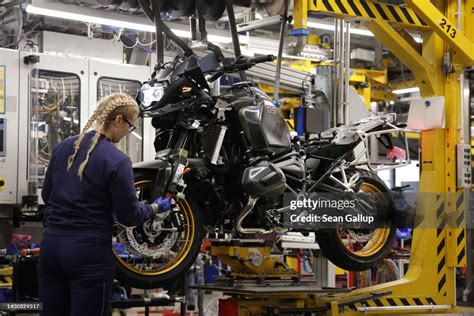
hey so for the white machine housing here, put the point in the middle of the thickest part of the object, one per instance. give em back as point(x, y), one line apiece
point(15, 166)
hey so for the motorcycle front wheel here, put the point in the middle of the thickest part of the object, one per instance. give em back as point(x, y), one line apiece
point(145, 258)
point(361, 249)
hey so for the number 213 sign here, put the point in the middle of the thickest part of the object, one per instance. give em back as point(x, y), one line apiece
point(448, 28)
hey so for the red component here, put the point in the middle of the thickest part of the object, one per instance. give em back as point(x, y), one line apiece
point(396, 153)
point(299, 261)
point(21, 241)
point(206, 244)
point(228, 307)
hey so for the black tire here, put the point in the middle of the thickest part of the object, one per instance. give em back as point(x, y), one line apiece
point(333, 248)
point(213, 9)
point(178, 9)
point(169, 279)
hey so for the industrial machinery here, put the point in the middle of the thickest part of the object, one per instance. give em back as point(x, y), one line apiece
point(54, 103)
point(51, 105)
point(9, 127)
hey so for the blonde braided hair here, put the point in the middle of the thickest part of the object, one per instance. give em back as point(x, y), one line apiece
point(108, 108)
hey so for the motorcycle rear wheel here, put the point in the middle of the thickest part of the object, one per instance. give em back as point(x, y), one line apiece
point(163, 263)
point(340, 246)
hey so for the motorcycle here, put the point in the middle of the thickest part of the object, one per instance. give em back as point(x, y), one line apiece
point(228, 161)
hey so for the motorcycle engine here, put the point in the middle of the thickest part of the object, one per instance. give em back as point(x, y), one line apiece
point(264, 180)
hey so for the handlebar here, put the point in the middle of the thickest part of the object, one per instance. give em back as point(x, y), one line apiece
point(262, 59)
point(243, 63)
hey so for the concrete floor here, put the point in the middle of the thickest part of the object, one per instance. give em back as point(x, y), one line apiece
point(159, 311)
point(169, 311)
point(211, 304)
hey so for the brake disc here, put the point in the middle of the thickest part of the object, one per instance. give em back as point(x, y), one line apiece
point(152, 250)
point(359, 237)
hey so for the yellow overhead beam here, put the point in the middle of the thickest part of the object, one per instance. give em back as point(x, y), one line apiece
point(402, 84)
point(394, 14)
point(423, 71)
point(382, 95)
point(446, 29)
point(374, 77)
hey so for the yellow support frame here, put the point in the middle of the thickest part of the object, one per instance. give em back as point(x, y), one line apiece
point(424, 72)
point(446, 29)
point(6, 277)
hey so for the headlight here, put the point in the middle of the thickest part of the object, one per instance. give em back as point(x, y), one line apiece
point(149, 94)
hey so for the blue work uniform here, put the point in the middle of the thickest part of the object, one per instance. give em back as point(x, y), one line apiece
point(76, 267)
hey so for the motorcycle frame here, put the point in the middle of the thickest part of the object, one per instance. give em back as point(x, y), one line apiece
point(362, 130)
point(373, 165)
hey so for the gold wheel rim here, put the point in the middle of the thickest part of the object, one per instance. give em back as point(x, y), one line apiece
point(189, 223)
point(379, 236)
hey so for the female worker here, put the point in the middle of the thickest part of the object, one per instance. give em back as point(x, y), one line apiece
point(88, 181)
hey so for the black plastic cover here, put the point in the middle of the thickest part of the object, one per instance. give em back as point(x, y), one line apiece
point(293, 167)
point(264, 180)
point(265, 128)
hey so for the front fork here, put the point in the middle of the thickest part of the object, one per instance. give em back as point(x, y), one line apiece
point(169, 181)
point(169, 178)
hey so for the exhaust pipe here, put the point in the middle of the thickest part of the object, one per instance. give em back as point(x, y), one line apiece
point(248, 208)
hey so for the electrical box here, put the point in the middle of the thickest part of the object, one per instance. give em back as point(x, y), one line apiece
point(53, 106)
point(56, 96)
point(9, 98)
point(464, 169)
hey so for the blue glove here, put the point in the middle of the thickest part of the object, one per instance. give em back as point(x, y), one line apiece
point(164, 205)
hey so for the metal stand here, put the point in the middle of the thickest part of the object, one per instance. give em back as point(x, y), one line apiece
point(235, 35)
point(16, 262)
point(183, 302)
point(160, 52)
point(284, 21)
point(201, 20)
point(147, 301)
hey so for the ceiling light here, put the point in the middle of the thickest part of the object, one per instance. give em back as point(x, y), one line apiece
point(407, 90)
point(114, 22)
point(89, 19)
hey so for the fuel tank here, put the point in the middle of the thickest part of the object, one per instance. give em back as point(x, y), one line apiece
point(263, 126)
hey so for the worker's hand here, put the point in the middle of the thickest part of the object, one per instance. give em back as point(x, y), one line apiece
point(162, 205)
point(161, 209)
